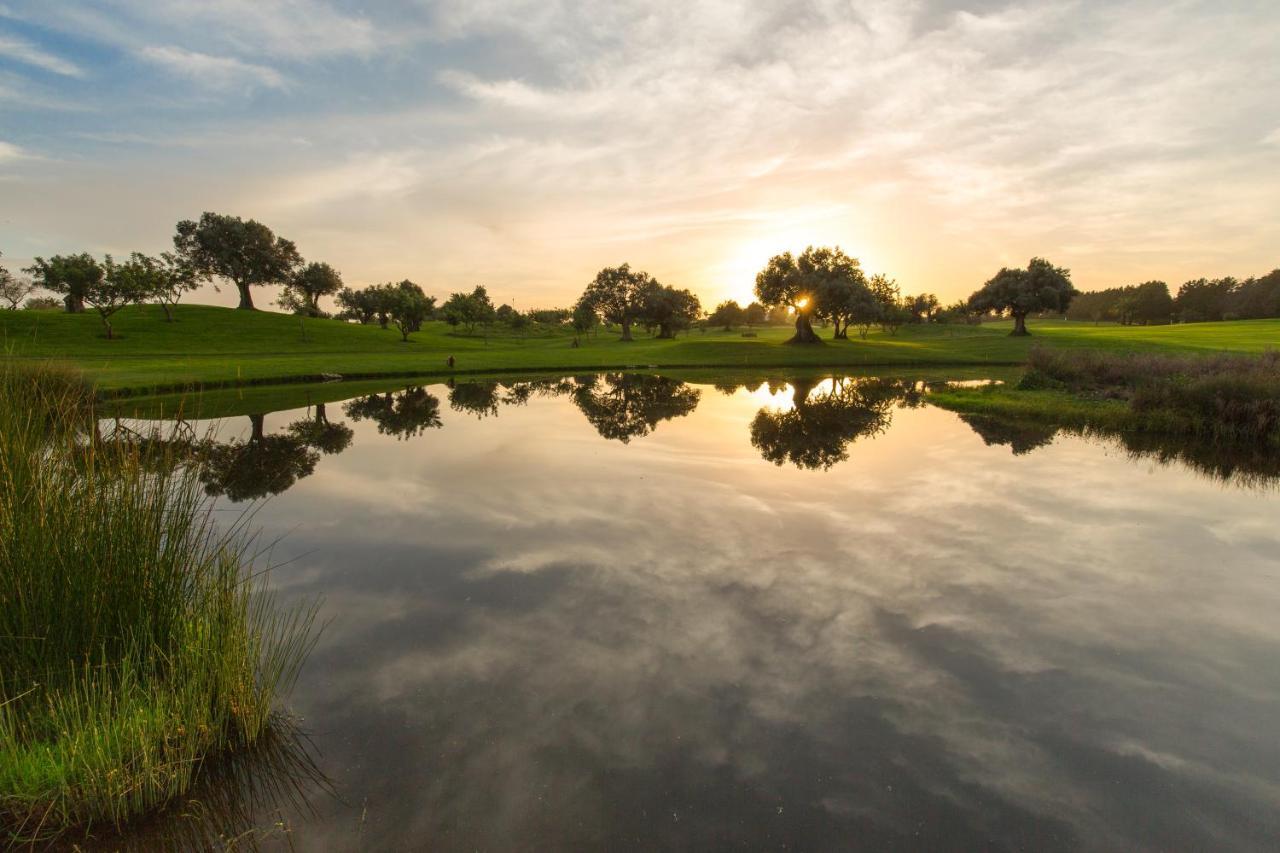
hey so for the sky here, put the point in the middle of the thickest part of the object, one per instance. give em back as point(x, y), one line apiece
point(525, 144)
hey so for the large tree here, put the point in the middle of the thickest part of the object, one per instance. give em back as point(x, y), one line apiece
point(669, 309)
point(404, 414)
point(624, 406)
point(69, 275)
point(727, 315)
point(469, 309)
point(307, 285)
point(408, 307)
point(244, 252)
point(1019, 292)
point(816, 431)
point(822, 282)
point(617, 294)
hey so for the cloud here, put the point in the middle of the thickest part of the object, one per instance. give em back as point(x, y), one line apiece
point(1272, 138)
point(10, 152)
point(28, 54)
point(220, 73)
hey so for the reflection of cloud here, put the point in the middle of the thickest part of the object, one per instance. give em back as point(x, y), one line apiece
point(544, 636)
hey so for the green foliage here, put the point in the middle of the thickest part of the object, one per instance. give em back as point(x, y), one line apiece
point(469, 309)
point(408, 307)
point(669, 309)
point(134, 644)
point(69, 275)
point(727, 315)
point(307, 285)
point(617, 294)
point(1018, 292)
point(43, 303)
point(244, 252)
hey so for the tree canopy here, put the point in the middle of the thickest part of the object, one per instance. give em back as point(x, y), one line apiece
point(1019, 292)
point(307, 285)
point(69, 275)
point(244, 252)
point(669, 309)
point(618, 295)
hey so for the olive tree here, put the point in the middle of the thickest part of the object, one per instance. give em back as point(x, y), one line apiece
point(121, 284)
point(408, 307)
point(669, 309)
point(306, 286)
point(68, 275)
point(618, 294)
point(1019, 292)
point(244, 252)
point(727, 314)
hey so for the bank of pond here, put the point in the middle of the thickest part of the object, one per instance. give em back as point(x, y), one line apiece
point(147, 662)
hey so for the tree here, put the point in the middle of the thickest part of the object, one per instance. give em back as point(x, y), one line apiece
point(69, 275)
point(754, 315)
point(318, 432)
point(307, 285)
point(171, 278)
point(781, 284)
point(835, 283)
point(475, 398)
point(44, 303)
point(469, 309)
point(245, 252)
point(1204, 299)
point(584, 318)
point(263, 465)
point(14, 289)
point(356, 305)
point(617, 294)
point(669, 309)
point(408, 307)
point(816, 431)
point(625, 406)
point(121, 284)
point(1018, 292)
point(727, 314)
point(404, 414)
point(923, 308)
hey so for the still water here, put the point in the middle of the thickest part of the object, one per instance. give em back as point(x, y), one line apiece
point(612, 613)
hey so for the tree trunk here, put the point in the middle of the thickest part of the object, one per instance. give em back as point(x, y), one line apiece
point(626, 330)
point(665, 332)
point(75, 304)
point(107, 324)
point(321, 416)
point(168, 313)
point(1019, 325)
point(246, 300)
point(258, 423)
point(804, 331)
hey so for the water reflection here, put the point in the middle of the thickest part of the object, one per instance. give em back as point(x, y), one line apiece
point(404, 414)
point(542, 639)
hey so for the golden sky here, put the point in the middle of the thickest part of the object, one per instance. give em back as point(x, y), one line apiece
point(523, 145)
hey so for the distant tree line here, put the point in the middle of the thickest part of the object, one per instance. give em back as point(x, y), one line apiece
point(1198, 300)
point(821, 285)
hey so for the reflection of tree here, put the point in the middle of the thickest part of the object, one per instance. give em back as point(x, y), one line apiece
point(1020, 436)
point(624, 406)
point(318, 432)
point(816, 432)
point(263, 465)
point(476, 398)
point(404, 414)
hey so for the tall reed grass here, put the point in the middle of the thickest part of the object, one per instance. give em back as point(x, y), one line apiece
point(135, 643)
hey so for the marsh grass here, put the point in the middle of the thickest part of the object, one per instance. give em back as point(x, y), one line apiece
point(136, 644)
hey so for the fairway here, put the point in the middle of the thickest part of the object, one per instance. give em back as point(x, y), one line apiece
point(218, 346)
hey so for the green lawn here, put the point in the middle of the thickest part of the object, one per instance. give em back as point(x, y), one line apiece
point(214, 346)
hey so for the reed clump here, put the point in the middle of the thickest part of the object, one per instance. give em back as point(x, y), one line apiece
point(135, 643)
point(1232, 398)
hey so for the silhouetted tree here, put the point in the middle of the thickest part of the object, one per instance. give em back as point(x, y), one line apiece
point(625, 406)
point(407, 306)
point(727, 315)
point(754, 314)
point(617, 294)
point(816, 431)
point(14, 289)
point(261, 466)
point(318, 432)
point(475, 398)
point(404, 414)
point(244, 252)
point(783, 284)
point(1040, 287)
point(669, 309)
point(1021, 437)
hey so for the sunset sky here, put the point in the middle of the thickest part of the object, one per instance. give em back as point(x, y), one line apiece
point(524, 144)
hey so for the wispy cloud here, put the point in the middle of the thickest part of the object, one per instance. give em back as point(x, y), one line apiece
point(18, 50)
point(9, 152)
point(220, 73)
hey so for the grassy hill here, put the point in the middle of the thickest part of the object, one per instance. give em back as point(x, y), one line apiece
point(210, 346)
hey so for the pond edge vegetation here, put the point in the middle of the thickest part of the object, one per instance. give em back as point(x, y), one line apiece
point(139, 643)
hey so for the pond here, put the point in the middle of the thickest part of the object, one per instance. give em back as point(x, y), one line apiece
point(617, 611)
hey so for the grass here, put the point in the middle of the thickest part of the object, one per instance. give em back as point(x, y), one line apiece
point(1223, 398)
point(135, 644)
point(220, 346)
